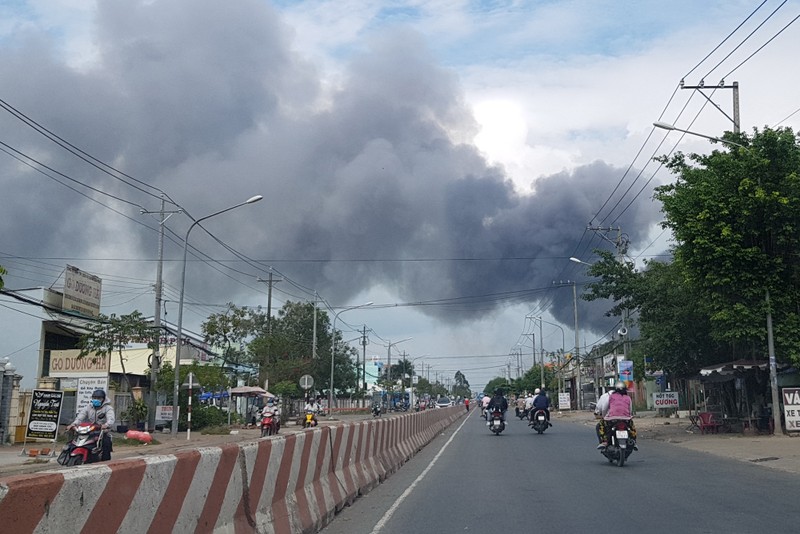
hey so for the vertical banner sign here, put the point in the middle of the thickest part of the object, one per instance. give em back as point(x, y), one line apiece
point(626, 373)
point(86, 387)
point(791, 408)
point(563, 401)
point(45, 411)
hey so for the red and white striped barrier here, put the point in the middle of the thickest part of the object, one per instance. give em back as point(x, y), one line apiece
point(291, 483)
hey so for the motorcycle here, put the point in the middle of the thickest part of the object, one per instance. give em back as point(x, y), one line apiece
point(86, 447)
point(523, 414)
point(496, 423)
point(377, 411)
point(620, 443)
point(310, 420)
point(269, 425)
point(539, 421)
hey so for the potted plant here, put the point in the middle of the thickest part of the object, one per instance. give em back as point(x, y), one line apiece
point(137, 413)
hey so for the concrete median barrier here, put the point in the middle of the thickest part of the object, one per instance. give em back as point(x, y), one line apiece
point(285, 484)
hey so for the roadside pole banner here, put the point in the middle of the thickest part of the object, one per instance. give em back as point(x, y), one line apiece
point(667, 399)
point(626, 373)
point(791, 408)
point(45, 412)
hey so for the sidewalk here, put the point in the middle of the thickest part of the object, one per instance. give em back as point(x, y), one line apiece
point(775, 452)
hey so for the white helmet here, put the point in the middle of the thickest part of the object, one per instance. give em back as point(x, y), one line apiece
point(536, 391)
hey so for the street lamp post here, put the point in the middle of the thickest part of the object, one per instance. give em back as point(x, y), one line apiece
point(563, 342)
point(179, 343)
point(773, 365)
point(333, 350)
point(389, 358)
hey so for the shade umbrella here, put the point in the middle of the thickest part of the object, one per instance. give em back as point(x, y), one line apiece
point(248, 391)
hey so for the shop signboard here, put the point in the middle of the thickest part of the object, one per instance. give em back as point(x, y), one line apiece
point(791, 408)
point(45, 411)
point(666, 399)
point(81, 292)
point(85, 388)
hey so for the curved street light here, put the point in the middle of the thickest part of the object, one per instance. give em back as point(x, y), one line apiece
point(179, 343)
point(333, 350)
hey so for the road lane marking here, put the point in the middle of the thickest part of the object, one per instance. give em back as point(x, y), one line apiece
point(392, 509)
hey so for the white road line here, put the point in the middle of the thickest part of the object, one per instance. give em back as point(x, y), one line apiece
point(390, 512)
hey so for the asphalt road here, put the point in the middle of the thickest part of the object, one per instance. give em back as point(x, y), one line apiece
point(469, 480)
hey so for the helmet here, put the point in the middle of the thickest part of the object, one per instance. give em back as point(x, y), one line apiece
point(620, 386)
point(536, 391)
point(99, 394)
point(498, 391)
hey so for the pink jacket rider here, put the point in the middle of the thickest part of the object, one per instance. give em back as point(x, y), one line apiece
point(619, 406)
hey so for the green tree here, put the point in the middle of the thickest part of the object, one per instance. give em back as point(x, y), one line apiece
point(113, 333)
point(2, 272)
point(735, 215)
point(229, 330)
point(497, 382)
point(673, 320)
point(461, 385)
point(285, 354)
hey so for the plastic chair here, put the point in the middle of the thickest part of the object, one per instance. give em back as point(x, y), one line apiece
point(707, 421)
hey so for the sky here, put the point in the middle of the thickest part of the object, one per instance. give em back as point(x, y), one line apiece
point(440, 159)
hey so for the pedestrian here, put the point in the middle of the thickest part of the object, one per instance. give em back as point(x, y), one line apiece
point(466, 403)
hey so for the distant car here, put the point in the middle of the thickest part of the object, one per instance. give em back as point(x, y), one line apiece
point(444, 402)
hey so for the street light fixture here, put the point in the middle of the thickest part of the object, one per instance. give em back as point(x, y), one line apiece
point(333, 350)
point(773, 365)
point(179, 343)
point(389, 356)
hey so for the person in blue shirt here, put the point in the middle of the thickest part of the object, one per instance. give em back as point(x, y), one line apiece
point(542, 402)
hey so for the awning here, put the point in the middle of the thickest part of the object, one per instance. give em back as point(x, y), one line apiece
point(248, 391)
point(731, 367)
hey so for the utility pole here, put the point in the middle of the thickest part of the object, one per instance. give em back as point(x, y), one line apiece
point(362, 374)
point(541, 351)
point(579, 397)
point(314, 330)
point(735, 86)
point(621, 245)
point(155, 363)
point(270, 281)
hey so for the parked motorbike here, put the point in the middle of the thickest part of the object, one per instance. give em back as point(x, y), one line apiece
point(539, 421)
point(377, 411)
point(269, 425)
point(620, 443)
point(496, 423)
point(310, 420)
point(86, 446)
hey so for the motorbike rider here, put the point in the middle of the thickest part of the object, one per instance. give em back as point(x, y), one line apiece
point(617, 405)
point(272, 409)
point(519, 406)
point(498, 401)
point(484, 405)
point(542, 402)
point(529, 400)
point(312, 406)
point(100, 412)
